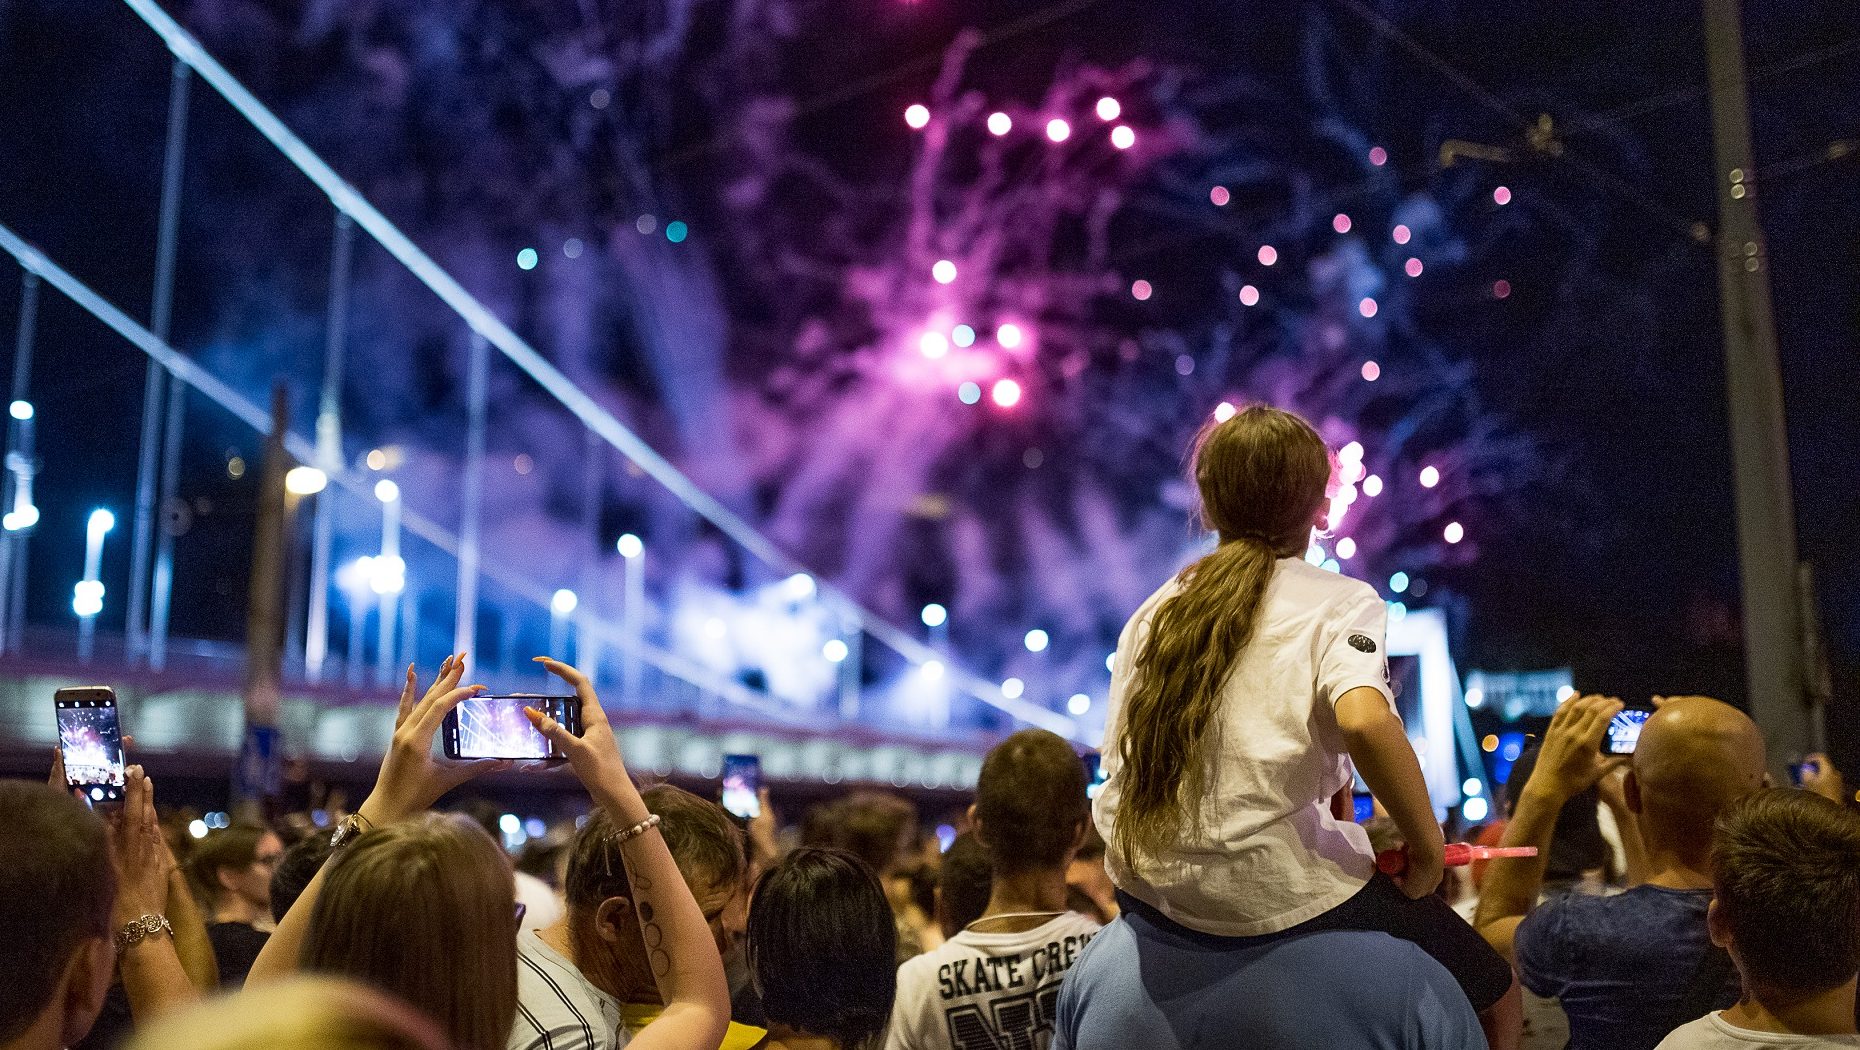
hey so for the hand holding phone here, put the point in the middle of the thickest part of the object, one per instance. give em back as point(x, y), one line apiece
point(742, 784)
point(90, 742)
point(496, 727)
point(1624, 728)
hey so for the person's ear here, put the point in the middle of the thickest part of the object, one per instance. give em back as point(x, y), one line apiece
point(1715, 923)
point(977, 828)
point(614, 918)
point(86, 982)
point(225, 878)
point(1630, 792)
point(1078, 839)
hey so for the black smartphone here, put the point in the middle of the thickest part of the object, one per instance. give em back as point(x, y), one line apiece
point(742, 784)
point(1624, 731)
point(91, 740)
point(1363, 806)
point(1095, 776)
point(496, 727)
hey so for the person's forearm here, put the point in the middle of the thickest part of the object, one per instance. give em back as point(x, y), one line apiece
point(153, 980)
point(278, 959)
point(1511, 885)
point(190, 935)
point(685, 965)
point(1379, 747)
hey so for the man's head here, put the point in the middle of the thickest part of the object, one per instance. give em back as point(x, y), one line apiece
point(1786, 874)
point(876, 826)
point(1030, 806)
point(56, 890)
point(708, 849)
point(1695, 757)
point(234, 867)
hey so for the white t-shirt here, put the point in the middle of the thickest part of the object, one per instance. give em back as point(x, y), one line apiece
point(1260, 852)
point(558, 1008)
point(984, 990)
point(542, 906)
point(1713, 1032)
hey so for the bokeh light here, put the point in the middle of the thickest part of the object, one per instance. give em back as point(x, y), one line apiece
point(1249, 295)
point(1346, 548)
point(1224, 411)
point(1371, 371)
point(1268, 255)
point(1430, 476)
point(934, 615)
point(1475, 809)
point(1008, 335)
point(526, 259)
point(1000, 123)
point(1413, 267)
point(1220, 196)
point(962, 335)
point(1079, 704)
point(969, 393)
point(1006, 393)
point(1501, 289)
point(1372, 485)
point(1501, 196)
point(1037, 641)
point(1454, 532)
point(917, 115)
point(1367, 307)
point(1122, 137)
point(1378, 156)
point(1013, 688)
point(943, 271)
point(1340, 222)
point(676, 231)
point(1140, 290)
point(1108, 108)
point(1399, 583)
point(1401, 234)
point(1058, 129)
point(933, 345)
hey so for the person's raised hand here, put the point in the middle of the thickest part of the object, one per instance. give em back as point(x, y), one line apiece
point(411, 777)
point(595, 754)
point(137, 851)
point(1571, 760)
point(1820, 777)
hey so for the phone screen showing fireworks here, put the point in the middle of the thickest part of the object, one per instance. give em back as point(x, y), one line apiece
point(91, 740)
point(742, 781)
point(1624, 731)
point(496, 727)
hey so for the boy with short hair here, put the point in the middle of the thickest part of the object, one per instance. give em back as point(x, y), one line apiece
point(1786, 906)
point(996, 982)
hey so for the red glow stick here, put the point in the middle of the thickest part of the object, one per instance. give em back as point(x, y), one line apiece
point(1395, 861)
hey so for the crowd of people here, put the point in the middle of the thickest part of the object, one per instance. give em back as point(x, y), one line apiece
point(1218, 892)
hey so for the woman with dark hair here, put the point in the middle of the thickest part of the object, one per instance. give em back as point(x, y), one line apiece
point(232, 868)
point(822, 951)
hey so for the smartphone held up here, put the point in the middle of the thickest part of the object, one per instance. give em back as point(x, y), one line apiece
point(1623, 734)
point(496, 727)
point(742, 785)
point(90, 738)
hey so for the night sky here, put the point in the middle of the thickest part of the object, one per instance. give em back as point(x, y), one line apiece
point(1619, 559)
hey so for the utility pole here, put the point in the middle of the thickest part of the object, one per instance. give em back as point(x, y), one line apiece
point(1773, 638)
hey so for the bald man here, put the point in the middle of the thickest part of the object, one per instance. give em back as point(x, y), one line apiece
point(1628, 969)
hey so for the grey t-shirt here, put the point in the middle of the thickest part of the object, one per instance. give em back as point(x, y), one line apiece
point(1713, 1032)
point(557, 1008)
point(1138, 985)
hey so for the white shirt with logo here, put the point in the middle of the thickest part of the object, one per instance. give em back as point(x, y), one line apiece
point(1259, 851)
point(985, 991)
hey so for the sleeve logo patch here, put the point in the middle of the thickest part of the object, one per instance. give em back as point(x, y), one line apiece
point(1362, 643)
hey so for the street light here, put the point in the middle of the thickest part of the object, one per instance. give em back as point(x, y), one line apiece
point(87, 596)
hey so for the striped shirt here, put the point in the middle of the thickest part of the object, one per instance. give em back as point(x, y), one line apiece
point(557, 1008)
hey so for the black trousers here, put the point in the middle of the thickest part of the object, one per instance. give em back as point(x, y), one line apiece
point(1381, 907)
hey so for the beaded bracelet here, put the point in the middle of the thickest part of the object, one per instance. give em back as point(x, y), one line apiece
point(638, 829)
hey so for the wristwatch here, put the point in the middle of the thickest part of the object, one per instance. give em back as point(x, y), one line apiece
point(351, 826)
point(135, 931)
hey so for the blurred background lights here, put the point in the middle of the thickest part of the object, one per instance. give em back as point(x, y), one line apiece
point(1501, 289)
point(377, 459)
point(1013, 688)
point(1331, 565)
point(1564, 693)
point(917, 115)
point(1058, 130)
point(1378, 156)
point(1367, 307)
point(1268, 255)
point(1371, 373)
point(304, 481)
point(1140, 290)
point(1351, 453)
point(934, 615)
point(715, 627)
point(834, 651)
point(1398, 582)
point(1401, 234)
point(20, 410)
point(969, 392)
point(1224, 411)
point(1008, 335)
point(1000, 123)
point(1220, 196)
point(1412, 267)
point(931, 669)
point(564, 602)
point(1340, 222)
point(1430, 476)
point(629, 546)
point(943, 271)
point(1501, 196)
point(1372, 485)
point(1346, 548)
point(1108, 108)
point(962, 335)
point(1471, 786)
point(572, 247)
point(1454, 532)
point(1475, 697)
point(1079, 704)
point(1037, 641)
point(933, 345)
point(526, 259)
point(676, 231)
point(1475, 808)
point(1249, 295)
point(386, 491)
point(1122, 137)
point(1006, 393)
